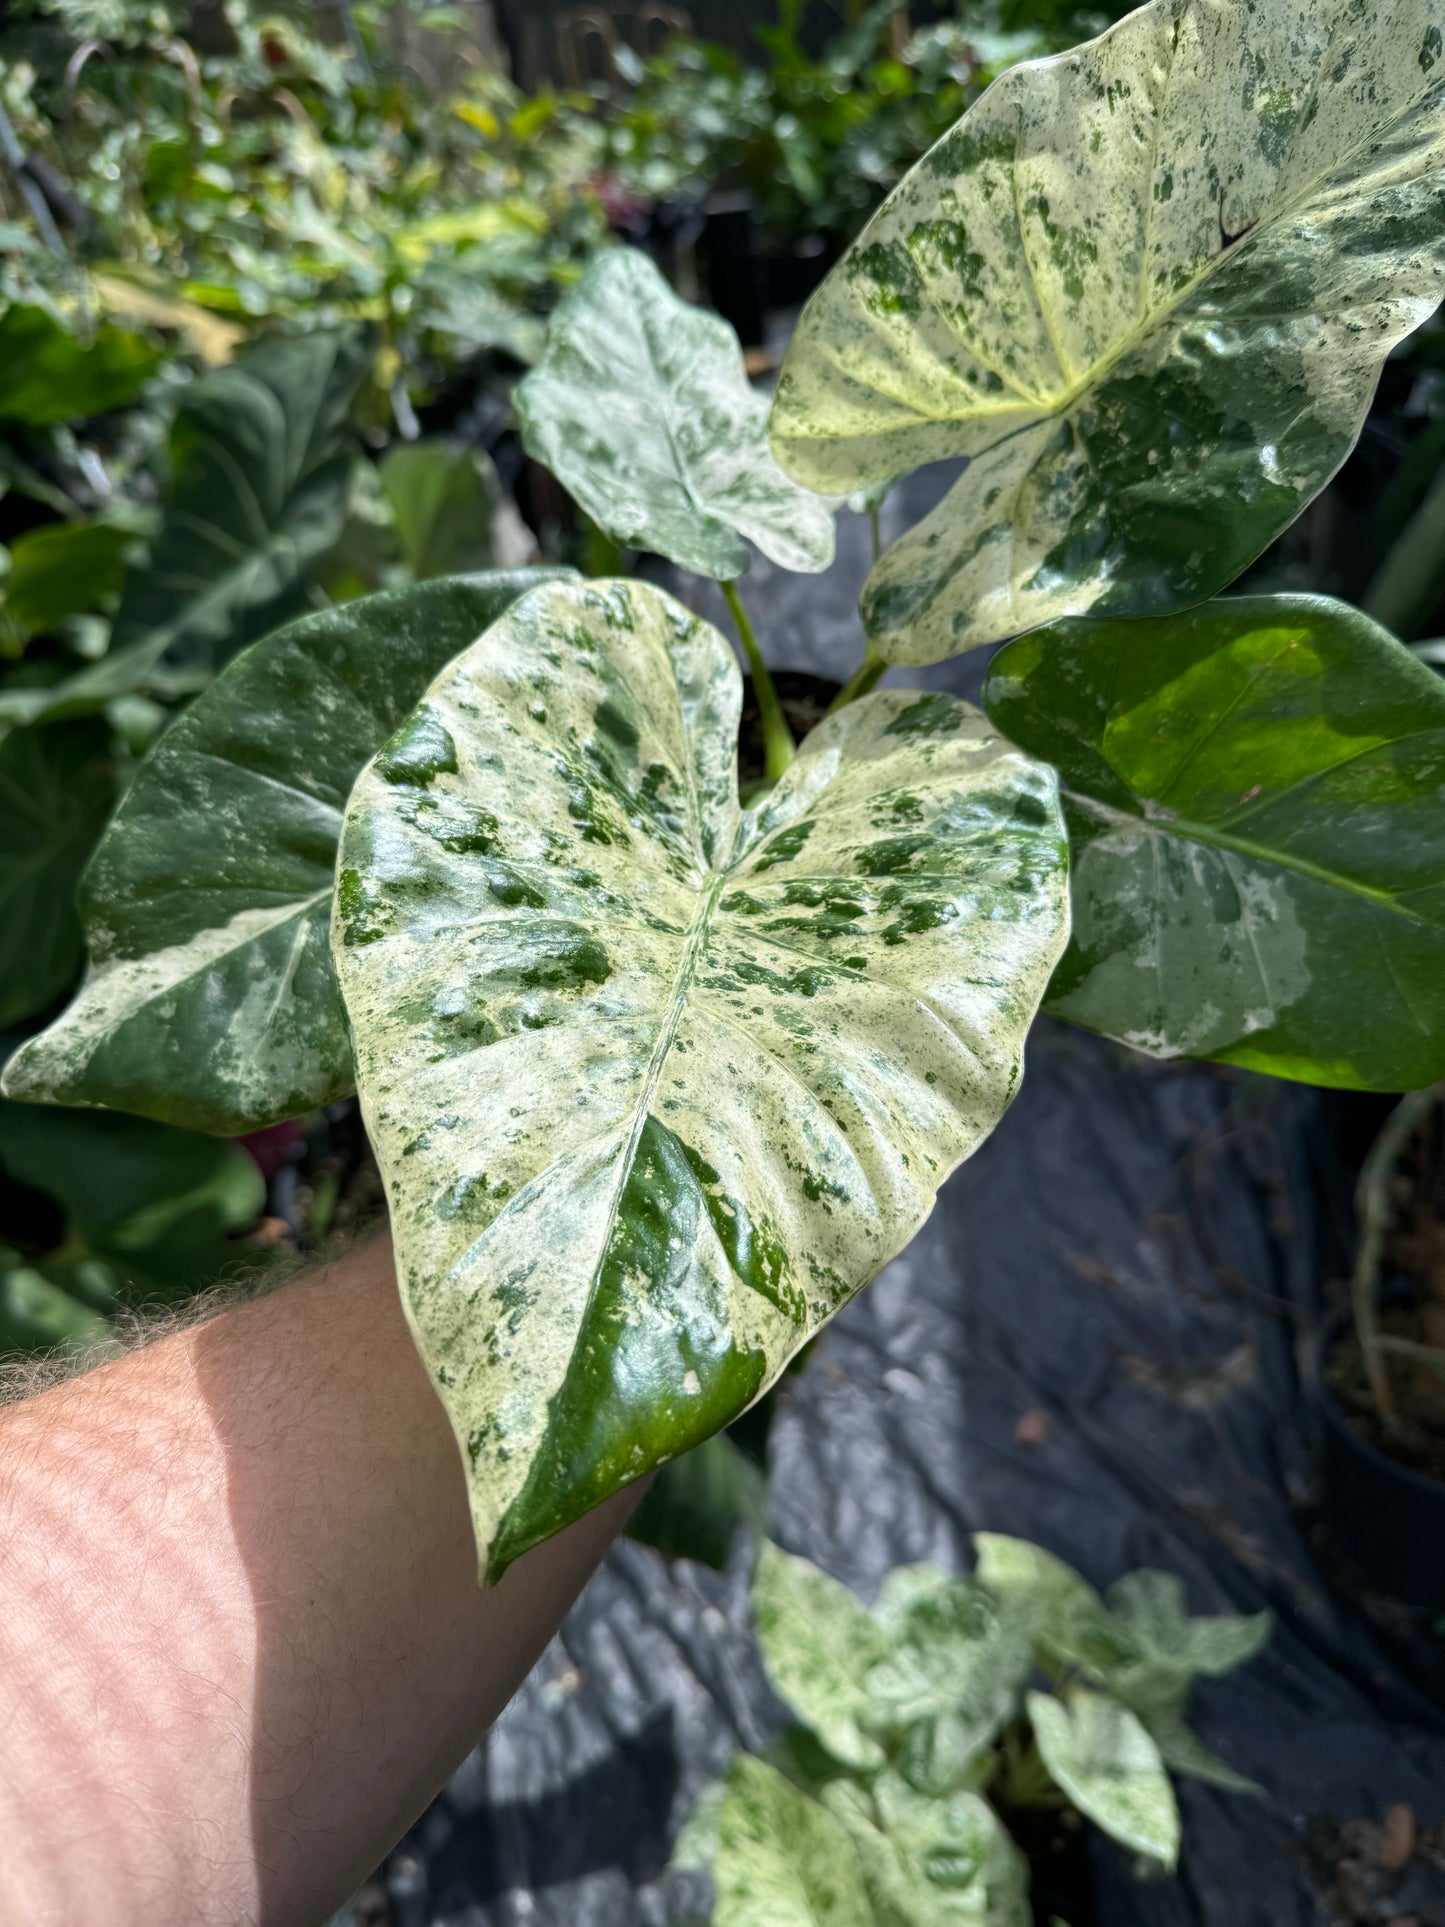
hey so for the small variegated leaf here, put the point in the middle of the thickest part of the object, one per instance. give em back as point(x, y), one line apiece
point(819, 1643)
point(656, 1086)
point(1147, 287)
point(1253, 791)
point(641, 406)
point(1102, 1757)
point(211, 999)
point(782, 1858)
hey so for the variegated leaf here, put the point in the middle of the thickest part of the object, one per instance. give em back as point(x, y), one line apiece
point(641, 406)
point(211, 999)
point(782, 1858)
point(1147, 286)
point(818, 1643)
point(1254, 795)
point(656, 1086)
point(1103, 1758)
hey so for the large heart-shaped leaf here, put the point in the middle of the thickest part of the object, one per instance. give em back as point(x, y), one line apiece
point(641, 406)
point(655, 1086)
point(261, 460)
point(1255, 801)
point(57, 786)
point(211, 1000)
point(1147, 286)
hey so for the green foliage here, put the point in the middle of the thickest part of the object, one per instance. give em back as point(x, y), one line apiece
point(1155, 329)
point(99, 1212)
point(50, 374)
point(871, 1691)
point(692, 475)
point(599, 1013)
point(1256, 822)
point(212, 1001)
point(57, 786)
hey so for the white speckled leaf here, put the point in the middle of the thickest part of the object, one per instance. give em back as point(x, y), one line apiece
point(641, 406)
point(211, 999)
point(818, 1642)
point(783, 1860)
point(656, 1086)
point(1147, 286)
point(1102, 1757)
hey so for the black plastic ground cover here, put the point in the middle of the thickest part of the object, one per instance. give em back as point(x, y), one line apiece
point(1098, 1342)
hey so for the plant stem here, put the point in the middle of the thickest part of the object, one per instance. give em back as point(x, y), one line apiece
point(876, 531)
point(1407, 583)
point(779, 748)
point(1373, 1206)
point(860, 682)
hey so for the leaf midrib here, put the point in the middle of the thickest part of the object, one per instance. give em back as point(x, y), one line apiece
point(1187, 829)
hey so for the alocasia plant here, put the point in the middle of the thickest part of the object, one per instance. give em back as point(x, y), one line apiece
point(859, 1815)
point(658, 1081)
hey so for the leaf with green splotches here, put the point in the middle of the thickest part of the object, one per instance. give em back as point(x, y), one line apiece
point(155, 1204)
point(57, 787)
point(655, 1085)
point(698, 1504)
point(819, 1643)
point(1255, 807)
point(212, 1001)
point(1047, 1601)
point(50, 375)
point(782, 1858)
point(261, 457)
point(1102, 1757)
point(443, 497)
point(929, 1862)
point(953, 1668)
point(1147, 288)
point(642, 408)
point(64, 569)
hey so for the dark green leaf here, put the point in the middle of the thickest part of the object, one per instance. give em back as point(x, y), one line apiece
point(57, 787)
point(212, 1001)
point(1255, 802)
point(696, 1506)
point(49, 375)
point(443, 498)
point(63, 570)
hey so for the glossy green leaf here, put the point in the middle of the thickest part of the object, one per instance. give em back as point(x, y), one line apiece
point(656, 1086)
point(783, 1858)
point(49, 375)
point(641, 407)
point(212, 1000)
point(818, 1642)
point(1101, 1756)
point(443, 497)
point(951, 1674)
point(156, 1204)
point(1254, 799)
point(57, 787)
point(261, 458)
point(1147, 287)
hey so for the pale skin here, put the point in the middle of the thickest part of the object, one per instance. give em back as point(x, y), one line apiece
point(242, 1642)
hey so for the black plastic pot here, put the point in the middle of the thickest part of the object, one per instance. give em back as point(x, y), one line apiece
point(1385, 1518)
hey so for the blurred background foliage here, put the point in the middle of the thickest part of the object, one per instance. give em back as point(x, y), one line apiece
point(267, 277)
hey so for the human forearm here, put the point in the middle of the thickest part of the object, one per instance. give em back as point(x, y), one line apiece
point(241, 1640)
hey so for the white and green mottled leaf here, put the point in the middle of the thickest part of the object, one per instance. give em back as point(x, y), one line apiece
point(656, 1086)
point(1253, 791)
point(1102, 1757)
point(931, 1862)
point(782, 1858)
point(1060, 1611)
point(953, 1671)
point(642, 408)
point(211, 999)
point(1147, 287)
point(818, 1643)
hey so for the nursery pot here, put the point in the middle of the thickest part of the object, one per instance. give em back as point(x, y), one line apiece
point(1386, 1518)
